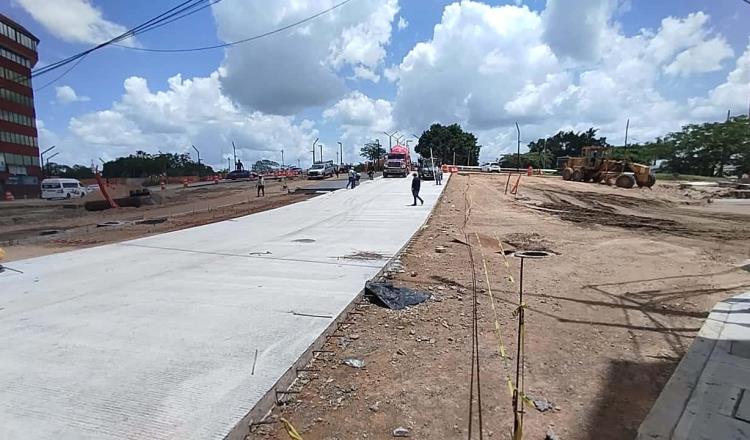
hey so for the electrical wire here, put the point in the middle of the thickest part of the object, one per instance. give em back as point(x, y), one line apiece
point(245, 40)
point(153, 23)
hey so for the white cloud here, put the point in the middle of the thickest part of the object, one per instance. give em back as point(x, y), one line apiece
point(731, 95)
point(362, 72)
point(75, 21)
point(402, 23)
point(190, 111)
point(360, 119)
point(577, 33)
point(487, 67)
point(297, 69)
point(66, 95)
point(706, 56)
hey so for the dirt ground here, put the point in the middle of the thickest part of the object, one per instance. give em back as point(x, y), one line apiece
point(632, 276)
point(40, 227)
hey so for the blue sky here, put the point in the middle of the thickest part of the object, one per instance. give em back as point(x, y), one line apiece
point(375, 65)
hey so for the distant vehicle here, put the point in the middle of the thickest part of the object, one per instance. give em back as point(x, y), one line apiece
point(321, 170)
point(426, 171)
point(92, 188)
point(397, 162)
point(62, 189)
point(239, 174)
point(491, 167)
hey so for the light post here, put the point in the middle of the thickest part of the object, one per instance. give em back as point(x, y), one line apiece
point(199, 160)
point(390, 139)
point(48, 159)
point(282, 158)
point(321, 152)
point(41, 159)
point(341, 155)
point(313, 148)
point(234, 149)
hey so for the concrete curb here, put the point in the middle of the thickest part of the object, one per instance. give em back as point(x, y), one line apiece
point(704, 397)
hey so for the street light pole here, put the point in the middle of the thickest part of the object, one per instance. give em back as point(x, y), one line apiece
point(48, 159)
point(313, 148)
point(321, 152)
point(199, 159)
point(341, 155)
point(518, 150)
point(390, 139)
point(234, 149)
point(41, 159)
point(282, 158)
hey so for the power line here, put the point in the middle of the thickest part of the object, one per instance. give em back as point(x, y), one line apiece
point(153, 23)
point(245, 40)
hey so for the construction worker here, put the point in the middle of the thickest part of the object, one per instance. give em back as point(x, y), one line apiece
point(352, 179)
point(416, 184)
point(261, 185)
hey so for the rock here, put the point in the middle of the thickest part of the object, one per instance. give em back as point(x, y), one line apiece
point(440, 249)
point(413, 274)
point(551, 435)
point(375, 407)
point(412, 332)
point(401, 352)
point(543, 404)
point(354, 363)
point(401, 432)
point(399, 327)
point(354, 337)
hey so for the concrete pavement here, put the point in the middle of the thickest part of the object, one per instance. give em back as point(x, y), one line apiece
point(156, 338)
point(708, 396)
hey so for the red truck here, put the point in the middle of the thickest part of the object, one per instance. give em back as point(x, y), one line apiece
point(397, 162)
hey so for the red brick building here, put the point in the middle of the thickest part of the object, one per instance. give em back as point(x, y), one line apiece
point(20, 171)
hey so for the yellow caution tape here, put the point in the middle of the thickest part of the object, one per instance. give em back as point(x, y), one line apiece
point(293, 434)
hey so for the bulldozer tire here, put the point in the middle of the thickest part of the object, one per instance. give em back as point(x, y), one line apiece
point(577, 176)
point(625, 181)
point(567, 173)
point(650, 181)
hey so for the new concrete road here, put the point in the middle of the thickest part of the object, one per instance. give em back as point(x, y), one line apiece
point(156, 338)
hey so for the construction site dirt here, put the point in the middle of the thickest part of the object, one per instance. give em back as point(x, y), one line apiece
point(39, 227)
point(630, 278)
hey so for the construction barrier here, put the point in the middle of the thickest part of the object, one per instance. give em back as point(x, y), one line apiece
point(9, 196)
point(529, 171)
point(216, 179)
point(185, 183)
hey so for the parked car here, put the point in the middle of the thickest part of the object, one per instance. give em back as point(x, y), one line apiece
point(239, 174)
point(321, 170)
point(92, 188)
point(62, 189)
point(492, 167)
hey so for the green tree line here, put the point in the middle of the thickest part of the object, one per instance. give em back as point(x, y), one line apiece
point(143, 164)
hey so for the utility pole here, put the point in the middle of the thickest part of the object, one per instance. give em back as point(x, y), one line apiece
point(229, 164)
point(518, 150)
point(299, 165)
point(282, 158)
point(199, 159)
point(544, 155)
point(321, 152)
point(234, 149)
point(341, 156)
point(313, 149)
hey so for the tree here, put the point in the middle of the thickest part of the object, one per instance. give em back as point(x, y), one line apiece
point(372, 151)
point(445, 141)
point(74, 172)
point(567, 143)
point(142, 164)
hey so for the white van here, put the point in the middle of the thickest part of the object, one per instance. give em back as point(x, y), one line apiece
point(62, 189)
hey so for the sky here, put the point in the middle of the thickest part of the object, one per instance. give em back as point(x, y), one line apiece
point(375, 66)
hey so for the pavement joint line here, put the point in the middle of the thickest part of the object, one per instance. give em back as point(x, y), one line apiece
point(311, 315)
point(225, 254)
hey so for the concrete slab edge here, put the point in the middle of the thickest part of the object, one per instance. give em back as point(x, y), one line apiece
point(267, 403)
point(669, 408)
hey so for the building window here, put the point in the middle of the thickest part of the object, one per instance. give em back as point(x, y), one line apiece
point(16, 118)
point(16, 58)
point(20, 139)
point(11, 75)
point(18, 98)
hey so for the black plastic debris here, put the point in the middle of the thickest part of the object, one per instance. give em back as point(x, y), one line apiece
point(396, 298)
